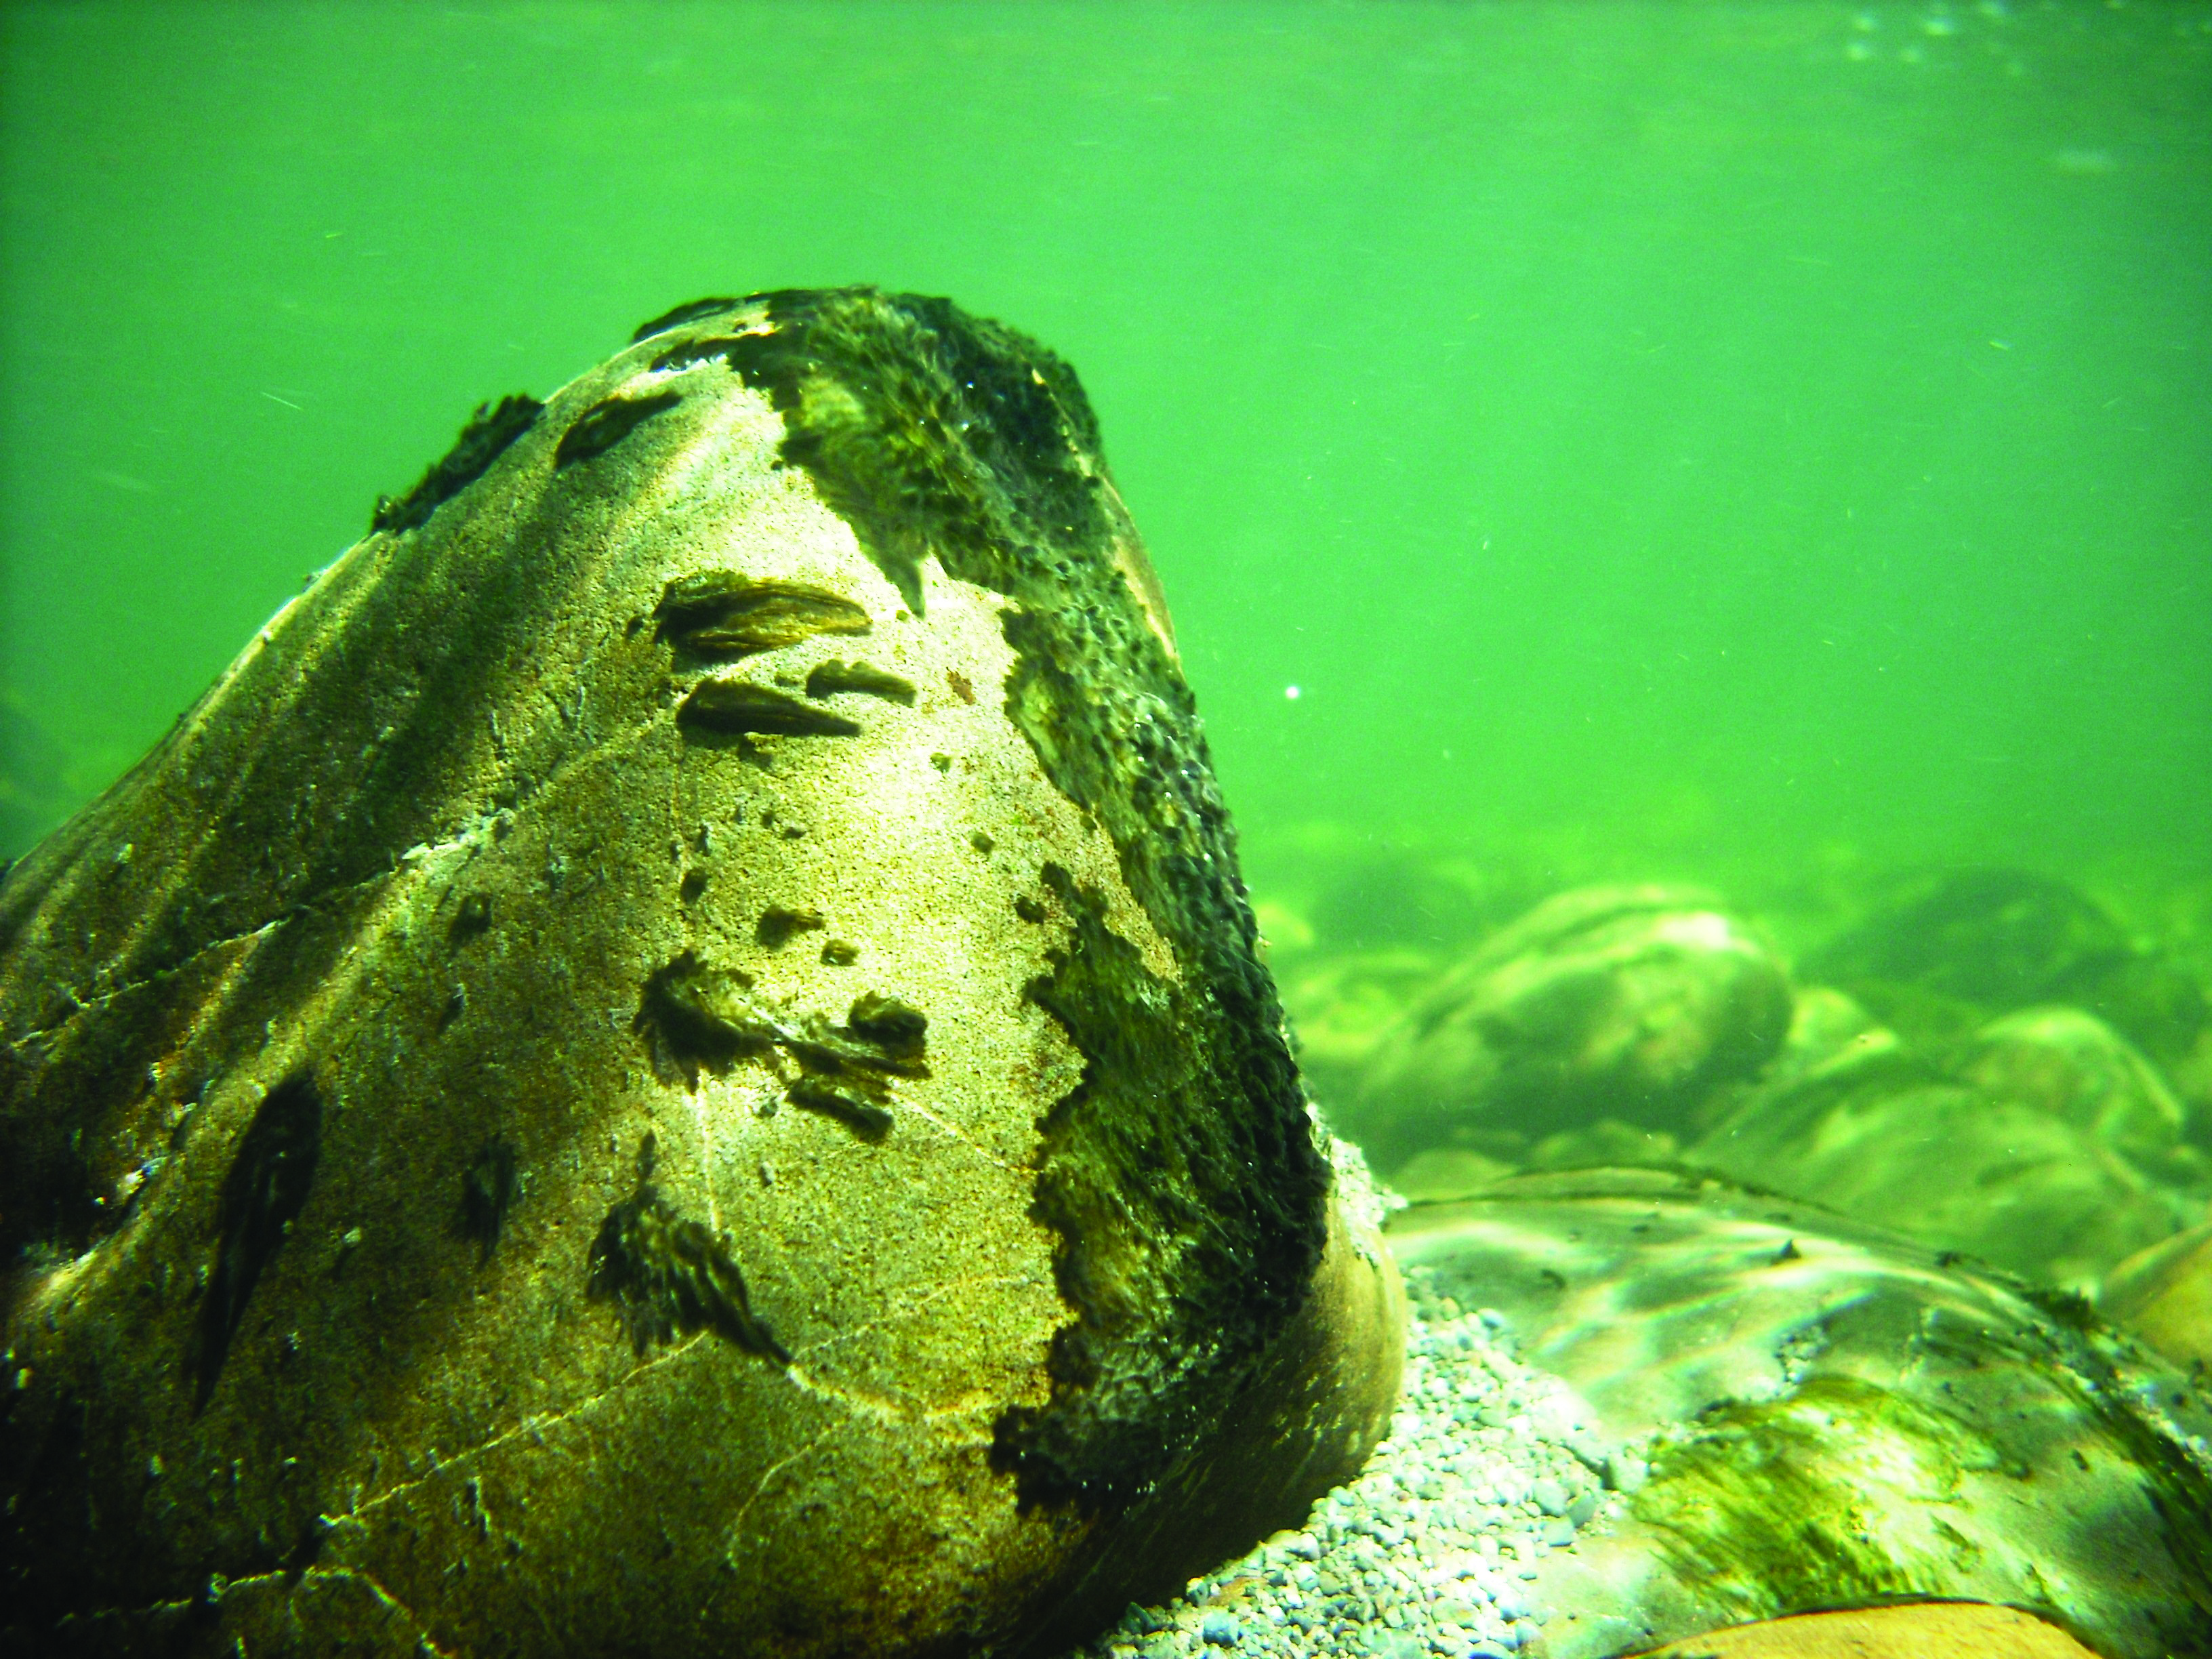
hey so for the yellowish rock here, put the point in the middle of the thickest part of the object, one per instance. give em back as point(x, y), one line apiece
point(1944, 1630)
point(2163, 1294)
point(673, 1061)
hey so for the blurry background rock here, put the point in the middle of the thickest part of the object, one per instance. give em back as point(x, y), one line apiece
point(2077, 1068)
point(1637, 1004)
point(37, 785)
point(1996, 1178)
point(1959, 1098)
point(2043, 1143)
point(1939, 954)
point(2163, 1294)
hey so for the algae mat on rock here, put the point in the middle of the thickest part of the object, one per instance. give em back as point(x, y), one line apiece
point(673, 1062)
point(1831, 1416)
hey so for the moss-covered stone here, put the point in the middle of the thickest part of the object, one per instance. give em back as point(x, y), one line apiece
point(1821, 1414)
point(985, 1273)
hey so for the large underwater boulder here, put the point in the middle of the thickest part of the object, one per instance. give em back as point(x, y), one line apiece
point(1636, 1004)
point(672, 1062)
point(1802, 1413)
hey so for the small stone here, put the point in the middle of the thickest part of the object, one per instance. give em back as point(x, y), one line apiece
point(1558, 1532)
point(1551, 1497)
point(1220, 1630)
point(1626, 1473)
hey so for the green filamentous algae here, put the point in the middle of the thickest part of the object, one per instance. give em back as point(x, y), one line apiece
point(685, 1052)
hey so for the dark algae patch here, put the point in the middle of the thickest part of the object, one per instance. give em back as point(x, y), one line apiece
point(867, 1116)
point(482, 440)
point(489, 1189)
point(1748, 1508)
point(694, 1017)
point(1182, 1174)
point(832, 679)
point(1942, 952)
point(1128, 1396)
point(607, 423)
point(739, 708)
point(471, 918)
point(778, 925)
point(697, 1019)
point(925, 428)
point(671, 1276)
point(266, 1188)
point(689, 312)
point(897, 1028)
point(720, 613)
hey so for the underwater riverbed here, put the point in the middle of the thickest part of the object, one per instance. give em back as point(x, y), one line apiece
point(1685, 527)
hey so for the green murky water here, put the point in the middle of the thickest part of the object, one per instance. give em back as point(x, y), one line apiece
point(1761, 444)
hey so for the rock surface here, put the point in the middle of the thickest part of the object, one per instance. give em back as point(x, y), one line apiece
point(1943, 1630)
point(673, 1061)
point(2163, 1295)
point(1818, 1413)
point(1944, 951)
point(2075, 1066)
point(1632, 1003)
point(2047, 1149)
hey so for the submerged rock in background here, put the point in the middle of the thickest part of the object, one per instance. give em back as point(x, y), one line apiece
point(35, 788)
point(1945, 951)
point(1344, 1008)
point(673, 1061)
point(2048, 1147)
point(1802, 1413)
point(1632, 1003)
point(2163, 1295)
point(2077, 1068)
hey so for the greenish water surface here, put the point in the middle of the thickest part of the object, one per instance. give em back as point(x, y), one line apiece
point(1689, 438)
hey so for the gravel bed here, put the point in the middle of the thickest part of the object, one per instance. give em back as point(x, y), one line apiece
point(1489, 1467)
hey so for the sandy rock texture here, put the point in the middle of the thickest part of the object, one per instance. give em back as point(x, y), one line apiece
point(673, 1061)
